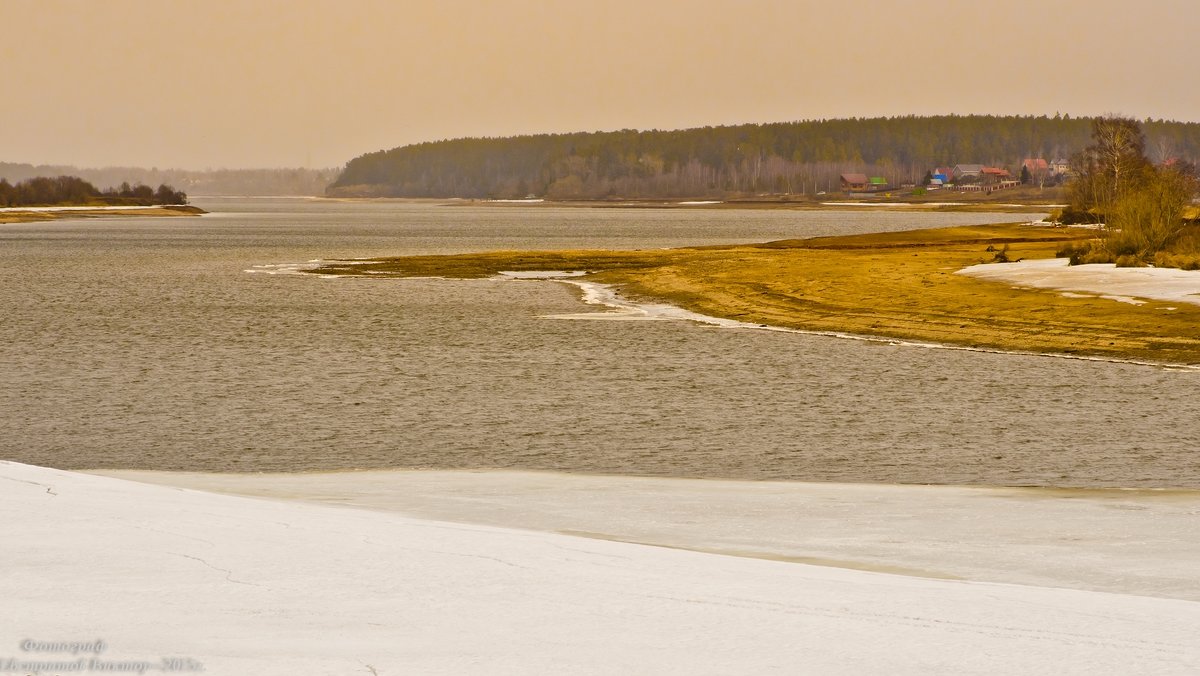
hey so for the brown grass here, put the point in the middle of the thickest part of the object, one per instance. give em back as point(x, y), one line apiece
point(899, 285)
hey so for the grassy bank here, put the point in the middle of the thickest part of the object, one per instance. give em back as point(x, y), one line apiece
point(898, 285)
point(35, 216)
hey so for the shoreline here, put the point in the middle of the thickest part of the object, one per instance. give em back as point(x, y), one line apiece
point(664, 312)
point(10, 215)
point(805, 204)
point(901, 287)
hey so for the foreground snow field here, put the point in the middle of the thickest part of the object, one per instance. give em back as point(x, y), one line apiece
point(1127, 541)
point(254, 586)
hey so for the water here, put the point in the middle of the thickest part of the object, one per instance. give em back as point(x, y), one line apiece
point(142, 343)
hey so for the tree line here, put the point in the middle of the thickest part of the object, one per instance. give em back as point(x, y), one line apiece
point(195, 182)
point(74, 191)
point(1141, 203)
point(803, 157)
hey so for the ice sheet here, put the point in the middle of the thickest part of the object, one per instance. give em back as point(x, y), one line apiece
point(246, 586)
point(1128, 541)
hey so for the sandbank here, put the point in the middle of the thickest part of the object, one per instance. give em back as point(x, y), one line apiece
point(36, 214)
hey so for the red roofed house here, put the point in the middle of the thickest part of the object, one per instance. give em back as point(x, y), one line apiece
point(854, 182)
point(994, 174)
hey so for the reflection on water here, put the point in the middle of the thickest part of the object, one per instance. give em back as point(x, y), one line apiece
point(142, 343)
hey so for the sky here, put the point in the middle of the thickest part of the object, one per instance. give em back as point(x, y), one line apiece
point(202, 84)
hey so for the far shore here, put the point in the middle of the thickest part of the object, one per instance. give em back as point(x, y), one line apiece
point(946, 203)
point(37, 214)
point(901, 286)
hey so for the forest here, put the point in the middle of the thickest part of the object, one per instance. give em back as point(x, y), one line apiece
point(787, 158)
point(260, 182)
point(74, 191)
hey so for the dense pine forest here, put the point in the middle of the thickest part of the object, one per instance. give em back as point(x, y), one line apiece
point(790, 158)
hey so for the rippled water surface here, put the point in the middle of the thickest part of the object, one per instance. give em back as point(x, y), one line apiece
point(143, 343)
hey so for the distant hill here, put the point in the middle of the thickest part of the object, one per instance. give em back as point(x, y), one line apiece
point(194, 183)
point(719, 162)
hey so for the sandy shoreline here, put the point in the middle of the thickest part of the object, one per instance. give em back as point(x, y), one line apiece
point(622, 309)
point(251, 585)
point(41, 214)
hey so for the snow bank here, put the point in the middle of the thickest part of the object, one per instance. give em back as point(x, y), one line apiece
point(246, 586)
point(1101, 279)
point(1126, 541)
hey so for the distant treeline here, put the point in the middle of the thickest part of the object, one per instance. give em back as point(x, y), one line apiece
point(209, 182)
point(74, 191)
point(719, 162)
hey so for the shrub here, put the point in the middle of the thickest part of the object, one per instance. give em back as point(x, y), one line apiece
point(1130, 261)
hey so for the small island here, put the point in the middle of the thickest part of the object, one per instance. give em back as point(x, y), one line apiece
point(47, 199)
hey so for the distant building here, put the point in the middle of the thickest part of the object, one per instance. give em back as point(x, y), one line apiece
point(854, 182)
point(1034, 165)
point(994, 174)
point(878, 183)
point(1060, 167)
point(963, 170)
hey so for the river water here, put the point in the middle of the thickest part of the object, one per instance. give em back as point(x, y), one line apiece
point(144, 343)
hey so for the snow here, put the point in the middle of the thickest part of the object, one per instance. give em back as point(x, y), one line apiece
point(242, 585)
point(622, 309)
point(1104, 280)
point(541, 274)
point(1137, 541)
point(900, 204)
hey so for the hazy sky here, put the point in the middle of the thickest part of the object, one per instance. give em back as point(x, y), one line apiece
point(246, 83)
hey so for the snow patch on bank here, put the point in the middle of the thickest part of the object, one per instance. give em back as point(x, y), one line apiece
point(290, 268)
point(1103, 280)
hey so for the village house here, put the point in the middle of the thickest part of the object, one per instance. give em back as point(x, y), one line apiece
point(967, 170)
point(854, 182)
point(994, 174)
point(1035, 165)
